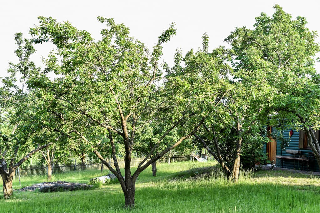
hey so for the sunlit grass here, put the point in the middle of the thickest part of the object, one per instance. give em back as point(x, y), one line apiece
point(177, 188)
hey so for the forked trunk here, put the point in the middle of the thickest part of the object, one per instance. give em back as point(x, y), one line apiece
point(7, 184)
point(7, 174)
point(154, 168)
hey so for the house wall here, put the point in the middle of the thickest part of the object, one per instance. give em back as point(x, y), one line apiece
point(293, 144)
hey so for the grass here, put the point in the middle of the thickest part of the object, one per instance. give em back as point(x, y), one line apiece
point(178, 187)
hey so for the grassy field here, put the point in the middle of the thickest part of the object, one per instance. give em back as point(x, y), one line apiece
point(173, 190)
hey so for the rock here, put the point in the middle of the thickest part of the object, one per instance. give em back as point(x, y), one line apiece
point(63, 186)
point(103, 179)
point(112, 176)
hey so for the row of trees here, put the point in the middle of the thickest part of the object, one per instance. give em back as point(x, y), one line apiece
point(113, 92)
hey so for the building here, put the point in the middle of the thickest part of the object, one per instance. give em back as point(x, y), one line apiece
point(290, 150)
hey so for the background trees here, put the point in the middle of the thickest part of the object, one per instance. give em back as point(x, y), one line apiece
point(276, 59)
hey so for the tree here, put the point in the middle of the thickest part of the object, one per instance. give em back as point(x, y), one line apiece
point(207, 79)
point(278, 54)
point(235, 123)
point(48, 157)
point(109, 89)
point(25, 124)
point(16, 139)
point(230, 137)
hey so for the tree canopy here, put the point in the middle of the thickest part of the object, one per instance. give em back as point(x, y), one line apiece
point(99, 95)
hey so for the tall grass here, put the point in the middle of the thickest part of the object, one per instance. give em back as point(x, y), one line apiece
point(178, 187)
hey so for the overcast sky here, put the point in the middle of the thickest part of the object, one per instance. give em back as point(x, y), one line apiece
point(147, 19)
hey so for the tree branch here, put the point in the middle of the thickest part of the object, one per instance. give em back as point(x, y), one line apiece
point(161, 154)
point(26, 157)
point(161, 138)
point(217, 148)
point(123, 118)
point(118, 175)
point(115, 161)
point(83, 112)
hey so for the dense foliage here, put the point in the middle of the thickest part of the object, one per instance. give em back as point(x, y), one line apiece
point(112, 99)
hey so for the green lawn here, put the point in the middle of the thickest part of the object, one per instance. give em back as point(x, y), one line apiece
point(173, 191)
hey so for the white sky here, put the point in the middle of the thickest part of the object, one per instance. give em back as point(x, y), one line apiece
point(147, 19)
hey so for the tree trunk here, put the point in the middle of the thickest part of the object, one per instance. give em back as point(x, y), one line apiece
point(101, 168)
point(317, 156)
point(49, 171)
point(48, 159)
point(128, 181)
point(83, 165)
point(7, 184)
point(236, 165)
point(154, 168)
point(129, 193)
point(169, 160)
point(314, 144)
point(236, 169)
point(83, 161)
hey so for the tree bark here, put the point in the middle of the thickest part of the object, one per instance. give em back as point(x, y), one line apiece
point(48, 159)
point(236, 168)
point(129, 193)
point(7, 179)
point(49, 171)
point(154, 169)
point(83, 163)
point(236, 165)
point(314, 144)
point(101, 168)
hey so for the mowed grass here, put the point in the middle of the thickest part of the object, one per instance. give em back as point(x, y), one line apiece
point(174, 191)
